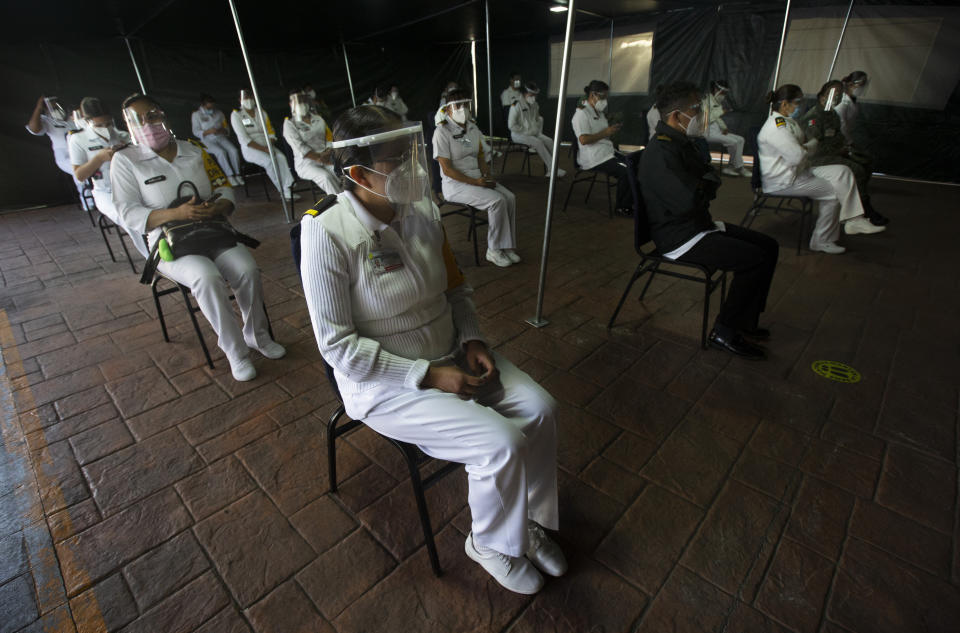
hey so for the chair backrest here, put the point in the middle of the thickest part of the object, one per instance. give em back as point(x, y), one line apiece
point(756, 177)
point(641, 223)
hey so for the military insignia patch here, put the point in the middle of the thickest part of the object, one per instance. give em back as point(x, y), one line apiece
point(780, 121)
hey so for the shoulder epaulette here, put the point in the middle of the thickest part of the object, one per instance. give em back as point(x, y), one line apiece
point(69, 132)
point(197, 143)
point(322, 205)
point(664, 137)
point(780, 121)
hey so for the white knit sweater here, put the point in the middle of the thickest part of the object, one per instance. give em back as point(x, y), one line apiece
point(382, 328)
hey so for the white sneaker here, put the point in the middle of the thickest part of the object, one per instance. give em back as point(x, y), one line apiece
point(272, 350)
point(240, 180)
point(730, 171)
point(861, 225)
point(515, 574)
point(828, 247)
point(293, 197)
point(512, 255)
point(561, 172)
point(232, 181)
point(497, 257)
point(530, 150)
point(746, 172)
point(544, 553)
point(243, 369)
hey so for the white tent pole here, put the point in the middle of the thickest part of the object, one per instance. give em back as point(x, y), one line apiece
point(346, 62)
point(263, 120)
point(610, 69)
point(843, 31)
point(538, 320)
point(136, 69)
point(489, 73)
point(783, 40)
point(473, 65)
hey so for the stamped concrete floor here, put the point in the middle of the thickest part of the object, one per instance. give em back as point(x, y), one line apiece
point(141, 491)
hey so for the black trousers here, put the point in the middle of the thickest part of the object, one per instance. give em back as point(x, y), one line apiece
point(624, 168)
point(752, 257)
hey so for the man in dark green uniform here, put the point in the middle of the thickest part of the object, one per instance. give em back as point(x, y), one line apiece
point(833, 148)
point(677, 188)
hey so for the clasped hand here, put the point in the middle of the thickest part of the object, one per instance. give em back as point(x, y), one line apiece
point(452, 379)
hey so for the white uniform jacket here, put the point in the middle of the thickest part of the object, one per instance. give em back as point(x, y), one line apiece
point(653, 117)
point(305, 136)
point(85, 143)
point(525, 119)
point(144, 182)
point(201, 122)
point(781, 153)
point(713, 112)
point(57, 131)
point(509, 96)
point(460, 145)
point(247, 128)
point(398, 106)
point(848, 110)
point(586, 120)
point(376, 327)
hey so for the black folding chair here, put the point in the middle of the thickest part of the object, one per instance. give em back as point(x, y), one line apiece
point(778, 204)
point(516, 148)
point(250, 170)
point(105, 225)
point(651, 261)
point(472, 214)
point(589, 176)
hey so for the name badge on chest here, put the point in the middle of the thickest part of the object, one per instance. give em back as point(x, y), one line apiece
point(383, 260)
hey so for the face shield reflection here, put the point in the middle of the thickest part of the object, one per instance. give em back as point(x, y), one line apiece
point(399, 156)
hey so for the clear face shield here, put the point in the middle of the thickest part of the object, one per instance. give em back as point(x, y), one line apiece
point(300, 105)
point(531, 95)
point(247, 101)
point(147, 125)
point(833, 99)
point(691, 118)
point(396, 163)
point(459, 110)
point(53, 108)
point(78, 119)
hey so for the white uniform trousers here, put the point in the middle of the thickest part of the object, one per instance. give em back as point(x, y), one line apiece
point(319, 173)
point(507, 439)
point(262, 159)
point(542, 144)
point(487, 149)
point(63, 162)
point(104, 202)
point(208, 279)
point(836, 189)
point(500, 205)
point(225, 152)
point(730, 141)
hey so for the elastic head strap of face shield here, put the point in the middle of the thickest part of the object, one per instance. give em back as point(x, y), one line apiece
point(453, 103)
point(379, 137)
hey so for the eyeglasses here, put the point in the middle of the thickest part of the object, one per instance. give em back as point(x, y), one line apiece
point(156, 115)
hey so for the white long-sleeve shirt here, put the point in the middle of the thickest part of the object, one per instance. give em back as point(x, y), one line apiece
point(144, 182)
point(781, 153)
point(305, 136)
point(713, 111)
point(247, 127)
point(525, 119)
point(201, 122)
point(848, 110)
point(85, 144)
point(587, 120)
point(57, 131)
point(377, 328)
point(397, 105)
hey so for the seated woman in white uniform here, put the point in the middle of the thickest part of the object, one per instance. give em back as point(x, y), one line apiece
point(785, 168)
point(395, 102)
point(526, 126)
point(146, 178)
point(307, 134)
point(50, 119)
point(253, 143)
point(91, 152)
point(717, 131)
point(392, 315)
point(854, 85)
point(595, 150)
point(466, 179)
point(210, 126)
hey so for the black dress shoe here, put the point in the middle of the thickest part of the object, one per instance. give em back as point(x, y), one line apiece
point(737, 345)
point(624, 212)
point(757, 333)
point(878, 220)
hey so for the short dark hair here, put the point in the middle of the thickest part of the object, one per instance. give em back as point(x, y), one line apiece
point(786, 92)
point(457, 94)
point(531, 87)
point(359, 121)
point(675, 96)
point(207, 98)
point(833, 83)
point(596, 86)
point(855, 76)
point(91, 107)
point(129, 101)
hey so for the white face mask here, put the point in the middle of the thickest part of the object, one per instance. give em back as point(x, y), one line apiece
point(394, 94)
point(247, 104)
point(858, 90)
point(601, 105)
point(301, 110)
point(207, 111)
point(102, 131)
point(459, 115)
point(693, 123)
point(311, 94)
point(404, 185)
point(531, 99)
point(516, 84)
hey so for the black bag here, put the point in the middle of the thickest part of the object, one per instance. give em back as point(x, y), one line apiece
point(194, 237)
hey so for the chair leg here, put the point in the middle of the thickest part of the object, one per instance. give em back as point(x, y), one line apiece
point(751, 213)
point(417, 484)
point(593, 180)
point(633, 279)
point(609, 199)
point(196, 326)
point(269, 327)
point(263, 179)
point(156, 302)
point(126, 251)
point(723, 287)
point(706, 314)
point(503, 163)
point(569, 193)
point(653, 272)
point(103, 232)
point(473, 228)
point(332, 446)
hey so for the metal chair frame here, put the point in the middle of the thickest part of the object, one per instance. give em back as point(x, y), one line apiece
point(465, 210)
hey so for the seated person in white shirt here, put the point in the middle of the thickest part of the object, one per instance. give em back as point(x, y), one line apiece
point(466, 179)
point(393, 315)
point(526, 126)
point(253, 143)
point(395, 102)
point(146, 180)
point(306, 133)
point(50, 119)
point(677, 187)
point(511, 94)
point(716, 130)
point(210, 126)
point(595, 150)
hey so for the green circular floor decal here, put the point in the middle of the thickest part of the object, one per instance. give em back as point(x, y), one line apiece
point(832, 370)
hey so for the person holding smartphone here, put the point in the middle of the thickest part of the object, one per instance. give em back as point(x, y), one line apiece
point(146, 180)
point(91, 152)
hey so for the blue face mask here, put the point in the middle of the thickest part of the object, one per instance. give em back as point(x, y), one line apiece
point(796, 114)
